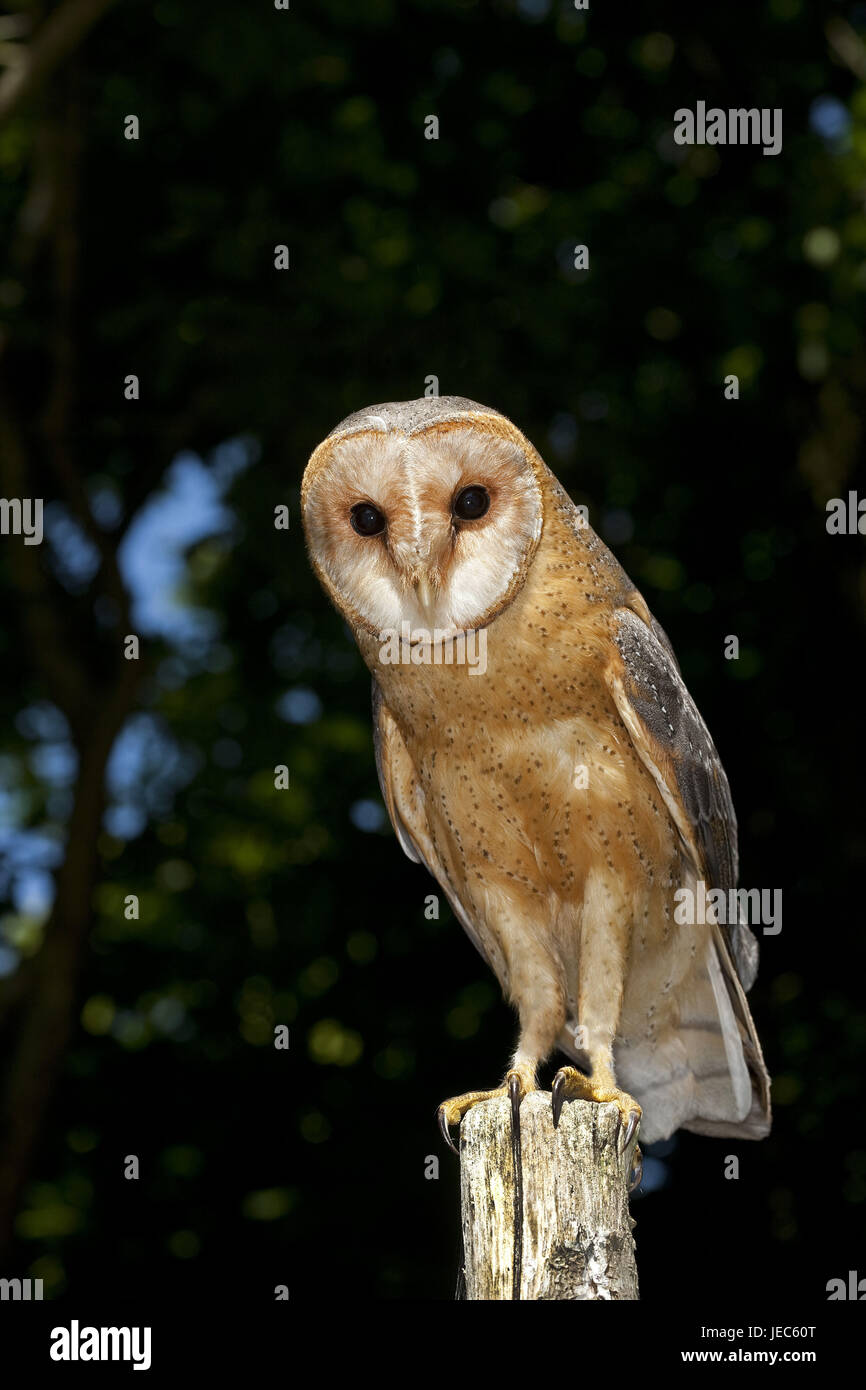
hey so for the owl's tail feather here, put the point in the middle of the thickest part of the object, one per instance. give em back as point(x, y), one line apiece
point(741, 1040)
point(709, 1075)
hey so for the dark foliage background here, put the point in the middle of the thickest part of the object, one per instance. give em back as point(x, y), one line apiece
point(409, 258)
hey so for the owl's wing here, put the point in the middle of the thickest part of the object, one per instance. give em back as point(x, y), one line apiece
point(674, 744)
point(404, 798)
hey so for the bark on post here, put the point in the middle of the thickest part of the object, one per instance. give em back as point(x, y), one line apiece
point(576, 1232)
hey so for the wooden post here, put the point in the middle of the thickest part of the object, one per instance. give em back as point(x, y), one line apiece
point(576, 1232)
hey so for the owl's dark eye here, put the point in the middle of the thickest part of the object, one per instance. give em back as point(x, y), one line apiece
point(471, 503)
point(367, 520)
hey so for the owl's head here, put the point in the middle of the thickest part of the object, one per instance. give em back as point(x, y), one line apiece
point(426, 512)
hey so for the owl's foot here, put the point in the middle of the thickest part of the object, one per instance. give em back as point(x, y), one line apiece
point(518, 1083)
point(571, 1084)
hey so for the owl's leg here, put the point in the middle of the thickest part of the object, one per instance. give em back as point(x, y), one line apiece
point(603, 953)
point(534, 985)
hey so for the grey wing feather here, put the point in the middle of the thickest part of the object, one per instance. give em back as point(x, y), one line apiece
point(675, 745)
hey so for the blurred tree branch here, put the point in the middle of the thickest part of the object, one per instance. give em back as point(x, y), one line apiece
point(47, 1012)
point(846, 43)
point(96, 696)
point(55, 39)
point(65, 678)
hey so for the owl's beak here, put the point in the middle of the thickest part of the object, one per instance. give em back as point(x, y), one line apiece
point(424, 593)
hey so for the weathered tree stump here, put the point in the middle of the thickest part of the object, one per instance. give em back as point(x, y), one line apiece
point(574, 1233)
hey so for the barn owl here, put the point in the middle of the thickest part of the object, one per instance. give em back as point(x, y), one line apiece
point(564, 797)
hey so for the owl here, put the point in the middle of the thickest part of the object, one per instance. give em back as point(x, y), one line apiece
point(563, 790)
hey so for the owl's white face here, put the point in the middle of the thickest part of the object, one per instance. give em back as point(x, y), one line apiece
point(435, 529)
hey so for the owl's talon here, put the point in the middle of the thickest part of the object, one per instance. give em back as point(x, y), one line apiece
point(637, 1171)
point(445, 1129)
point(515, 1095)
point(630, 1130)
point(558, 1095)
point(568, 1084)
point(517, 1084)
